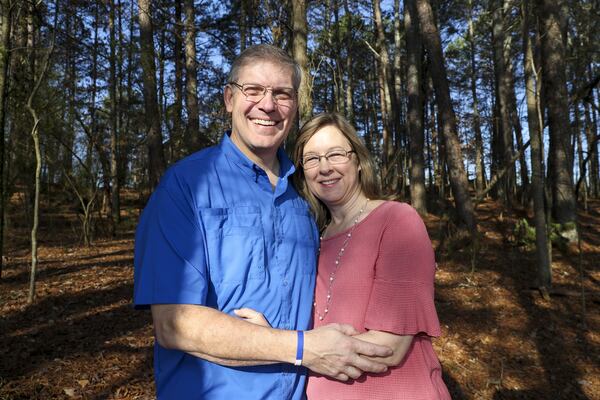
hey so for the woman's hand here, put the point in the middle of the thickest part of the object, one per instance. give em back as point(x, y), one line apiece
point(252, 316)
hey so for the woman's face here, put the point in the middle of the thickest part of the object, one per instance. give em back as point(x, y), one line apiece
point(333, 184)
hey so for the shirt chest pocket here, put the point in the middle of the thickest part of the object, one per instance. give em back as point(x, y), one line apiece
point(235, 244)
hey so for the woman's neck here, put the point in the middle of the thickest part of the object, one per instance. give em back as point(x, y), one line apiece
point(343, 214)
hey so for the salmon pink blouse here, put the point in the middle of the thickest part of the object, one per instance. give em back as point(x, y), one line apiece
point(384, 282)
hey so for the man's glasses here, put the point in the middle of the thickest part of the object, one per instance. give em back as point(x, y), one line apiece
point(255, 93)
point(333, 157)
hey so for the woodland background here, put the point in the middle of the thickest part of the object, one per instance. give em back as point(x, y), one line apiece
point(483, 114)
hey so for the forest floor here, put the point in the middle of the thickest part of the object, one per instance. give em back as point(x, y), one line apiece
point(81, 339)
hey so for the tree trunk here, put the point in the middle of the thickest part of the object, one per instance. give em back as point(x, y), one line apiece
point(414, 88)
point(177, 134)
point(349, 67)
point(556, 98)
point(454, 159)
point(38, 154)
point(386, 95)
point(5, 59)
point(114, 134)
point(299, 50)
point(503, 142)
point(543, 250)
point(476, 123)
point(5, 32)
point(592, 151)
point(193, 139)
point(156, 158)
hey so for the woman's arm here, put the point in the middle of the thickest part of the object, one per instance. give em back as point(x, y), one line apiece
point(398, 343)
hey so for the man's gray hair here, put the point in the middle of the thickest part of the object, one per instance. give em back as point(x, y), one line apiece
point(265, 52)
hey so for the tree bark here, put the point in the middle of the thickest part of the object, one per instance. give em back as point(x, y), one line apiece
point(299, 50)
point(177, 134)
point(458, 176)
point(386, 96)
point(192, 132)
point(5, 51)
point(592, 151)
point(504, 142)
point(544, 274)
point(38, 154)
point(114, 134)
point(414, 88)
point(476, 124)
point(156, 158)
point(349, 67)
point(556, 99)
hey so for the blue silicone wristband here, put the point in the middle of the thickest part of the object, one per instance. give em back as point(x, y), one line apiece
point(299, 348)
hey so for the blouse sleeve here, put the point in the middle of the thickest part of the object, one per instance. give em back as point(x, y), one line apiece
point(401, 299)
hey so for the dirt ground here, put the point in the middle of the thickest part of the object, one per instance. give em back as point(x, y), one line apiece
point(81, 339)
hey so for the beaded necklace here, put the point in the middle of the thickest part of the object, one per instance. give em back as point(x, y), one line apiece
point(337, 265)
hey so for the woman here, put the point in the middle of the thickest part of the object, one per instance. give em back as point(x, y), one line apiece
point(376, 266)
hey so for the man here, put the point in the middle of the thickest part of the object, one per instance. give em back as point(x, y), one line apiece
point(226, 230)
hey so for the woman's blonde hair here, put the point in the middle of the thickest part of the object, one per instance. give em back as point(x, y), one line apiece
point(366, 176)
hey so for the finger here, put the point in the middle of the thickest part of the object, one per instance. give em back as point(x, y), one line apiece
point(366, 365)
point(353, 372)
point(347, 329)
point(371, 349)
point(341, 377)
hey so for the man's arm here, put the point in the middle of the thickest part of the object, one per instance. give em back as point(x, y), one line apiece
point(217, 337)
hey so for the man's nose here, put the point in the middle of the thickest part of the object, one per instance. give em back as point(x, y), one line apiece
point(268, 103)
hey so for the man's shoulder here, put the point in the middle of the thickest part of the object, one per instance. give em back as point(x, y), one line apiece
point(194, 166)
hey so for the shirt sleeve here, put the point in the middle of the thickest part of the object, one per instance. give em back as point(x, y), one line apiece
point(401, 299)
point(170, 261)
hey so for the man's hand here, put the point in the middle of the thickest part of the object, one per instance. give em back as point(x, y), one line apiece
point(253, 316)
point(331, 350)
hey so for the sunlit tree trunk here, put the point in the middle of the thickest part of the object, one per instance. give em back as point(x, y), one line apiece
point(544, 275)
point(193, 139)
point(454, 158)
point(156, 159)
point(414, 88)
point(349, 68)
point(503, 142)
point(556, 98)
point(35, 134)
point(300, 54)
point(177, 134)
point(476, 124)
point(386, 95)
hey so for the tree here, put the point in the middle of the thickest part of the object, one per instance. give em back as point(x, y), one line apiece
point(556, 100)
point(300, 54)
point(458, 176)
point(192, 130)
point(156, 158)
point(414, 88)
point(537, 170)
point(5, 51)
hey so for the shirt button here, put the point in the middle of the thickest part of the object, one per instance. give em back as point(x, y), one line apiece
point(285, 283)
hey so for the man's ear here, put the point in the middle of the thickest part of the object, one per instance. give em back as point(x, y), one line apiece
point(228, 98)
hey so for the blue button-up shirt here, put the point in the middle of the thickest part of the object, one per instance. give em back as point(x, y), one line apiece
point(215, 233)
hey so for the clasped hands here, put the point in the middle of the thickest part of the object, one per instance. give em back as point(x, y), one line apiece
point(332, 350)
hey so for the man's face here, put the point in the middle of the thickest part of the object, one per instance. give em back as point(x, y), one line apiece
point(259, 128)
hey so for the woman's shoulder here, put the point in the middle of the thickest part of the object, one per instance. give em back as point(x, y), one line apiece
point(396, 209)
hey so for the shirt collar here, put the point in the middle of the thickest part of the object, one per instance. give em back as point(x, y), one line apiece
point(231, 151)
